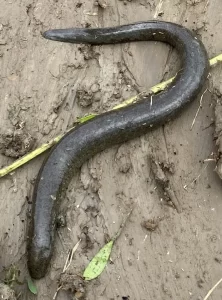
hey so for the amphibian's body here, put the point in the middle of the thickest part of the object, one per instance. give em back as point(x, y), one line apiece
point(110, 128)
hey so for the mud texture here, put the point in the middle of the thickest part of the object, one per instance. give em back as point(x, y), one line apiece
point(171, 246)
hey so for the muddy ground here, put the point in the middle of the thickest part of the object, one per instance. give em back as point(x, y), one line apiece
point(171, 246)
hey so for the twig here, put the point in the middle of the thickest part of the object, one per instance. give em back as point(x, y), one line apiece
point(200, 106)
point(90, 13)
point(67, 264)
point(56, 293)
point(122, 225)
point(26, 158)
point(186, 185)
point(215, 60)
point(211, 290)
point(70, 256)
point(210, 159)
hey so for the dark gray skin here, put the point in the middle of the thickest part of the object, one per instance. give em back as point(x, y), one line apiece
point(110, 128)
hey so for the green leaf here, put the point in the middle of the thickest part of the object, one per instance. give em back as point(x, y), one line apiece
point(32, 286)
point(98, 263)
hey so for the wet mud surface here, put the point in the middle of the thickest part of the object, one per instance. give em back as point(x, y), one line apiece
point(171, 245)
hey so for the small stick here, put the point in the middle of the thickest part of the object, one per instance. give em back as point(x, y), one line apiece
point(195, 179)
point(200, 106)
point(56, 293)
point(122, 225)
point(67, 264)
point(90, 14)
point(70, 256)
point(210, 159)
point(211, 290)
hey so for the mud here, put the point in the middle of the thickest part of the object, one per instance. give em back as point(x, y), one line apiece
point(47, 86)
point(16, 143)
point(6, 292)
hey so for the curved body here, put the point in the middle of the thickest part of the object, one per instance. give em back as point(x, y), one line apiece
point(109, 128)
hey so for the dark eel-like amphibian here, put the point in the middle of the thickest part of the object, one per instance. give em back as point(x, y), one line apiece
point(110, 128)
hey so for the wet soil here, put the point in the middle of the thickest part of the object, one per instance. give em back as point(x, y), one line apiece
point(171, 245)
